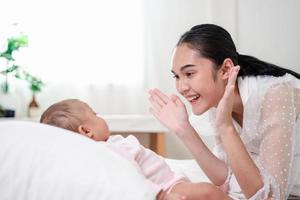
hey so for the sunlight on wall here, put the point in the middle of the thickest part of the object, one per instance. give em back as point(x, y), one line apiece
point(84, 41)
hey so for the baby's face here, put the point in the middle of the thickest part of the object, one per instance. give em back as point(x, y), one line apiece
point(97, 125)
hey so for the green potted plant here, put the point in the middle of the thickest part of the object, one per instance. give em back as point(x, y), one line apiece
point(13, 44)
point(35, 85)
point(2, 112)
point(9, 69)
point(16, 71)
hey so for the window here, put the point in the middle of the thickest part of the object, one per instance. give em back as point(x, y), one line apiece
point(84, 41)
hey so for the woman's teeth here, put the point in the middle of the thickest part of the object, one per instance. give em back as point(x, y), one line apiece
point(194, 98)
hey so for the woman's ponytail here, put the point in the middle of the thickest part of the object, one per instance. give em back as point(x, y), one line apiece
point(215, 43)
point(251, 66)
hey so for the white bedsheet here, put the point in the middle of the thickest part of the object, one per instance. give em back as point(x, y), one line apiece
point(189, 168)
point(41, 162)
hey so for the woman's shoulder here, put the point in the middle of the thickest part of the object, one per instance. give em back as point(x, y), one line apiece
point(269, 80)
point(260, 85)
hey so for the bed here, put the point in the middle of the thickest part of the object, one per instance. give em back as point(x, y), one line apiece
point(40, 162)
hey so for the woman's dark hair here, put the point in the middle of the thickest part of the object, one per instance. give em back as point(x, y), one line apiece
point(215, 43)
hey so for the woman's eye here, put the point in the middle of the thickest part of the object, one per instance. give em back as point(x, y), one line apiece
point(189, 74)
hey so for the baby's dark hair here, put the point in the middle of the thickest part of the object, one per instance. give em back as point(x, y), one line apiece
point(64, 114)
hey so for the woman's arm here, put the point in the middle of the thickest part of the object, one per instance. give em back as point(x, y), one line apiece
point(172, 113)
point(243, 167)
point(213, 167)
point(278, 138)
point(276, 126)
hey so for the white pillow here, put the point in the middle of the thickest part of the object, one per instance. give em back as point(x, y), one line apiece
point(188, 168)
point(40, 162)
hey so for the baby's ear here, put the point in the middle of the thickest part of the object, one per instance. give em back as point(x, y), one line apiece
point(85, 131)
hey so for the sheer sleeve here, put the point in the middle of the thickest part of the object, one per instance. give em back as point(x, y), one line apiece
point(277, 130)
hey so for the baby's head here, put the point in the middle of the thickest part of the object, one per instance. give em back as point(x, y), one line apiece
point(77, 116)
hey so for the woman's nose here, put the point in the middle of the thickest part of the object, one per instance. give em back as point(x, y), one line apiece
point(182, 87)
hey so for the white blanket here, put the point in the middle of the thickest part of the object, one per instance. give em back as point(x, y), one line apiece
point(41, 162)
point(189, 168)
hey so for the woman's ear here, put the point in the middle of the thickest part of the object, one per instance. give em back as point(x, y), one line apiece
point(226, 68)
point(85, 131)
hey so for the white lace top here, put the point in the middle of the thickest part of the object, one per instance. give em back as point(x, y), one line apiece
point(271, 133)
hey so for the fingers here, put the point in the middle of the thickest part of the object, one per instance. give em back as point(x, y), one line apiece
point(154, 113)
point(156, 102)
point(164, 98)
point(224, 187)
point(229, 91)
point(231, 81)
point(233, 75)
point(156, 99)
point(159, 100)
point(176, 100)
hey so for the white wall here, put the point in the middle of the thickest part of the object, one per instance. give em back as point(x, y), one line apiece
point(165, 22)
point(269, 30)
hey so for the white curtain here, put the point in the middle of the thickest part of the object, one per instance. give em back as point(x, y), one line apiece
point(92, 50)
point(107, 53)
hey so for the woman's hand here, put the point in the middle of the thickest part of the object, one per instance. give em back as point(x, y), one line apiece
point(162, 195)
point(224, 187)
point(225, 106)
point(175, 196)
point(170, 111)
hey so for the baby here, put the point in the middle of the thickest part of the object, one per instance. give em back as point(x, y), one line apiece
point(78, 117)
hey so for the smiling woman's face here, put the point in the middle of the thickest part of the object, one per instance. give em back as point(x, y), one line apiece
point(196, 79)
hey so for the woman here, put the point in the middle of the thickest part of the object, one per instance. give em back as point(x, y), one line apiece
point(254, 107)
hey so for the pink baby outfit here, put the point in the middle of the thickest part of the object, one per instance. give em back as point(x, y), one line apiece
point(152, 166)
